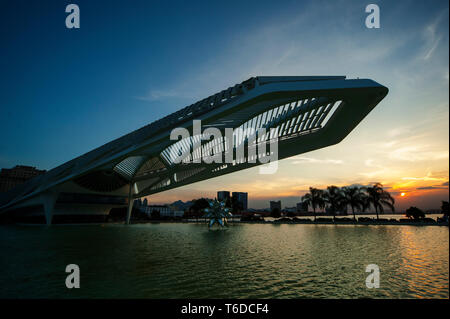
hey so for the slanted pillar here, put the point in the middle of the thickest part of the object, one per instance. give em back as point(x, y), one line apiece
point(130, 203)
point(49, 200)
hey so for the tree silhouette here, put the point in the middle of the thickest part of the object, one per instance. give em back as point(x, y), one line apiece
point(198, 207)
point(445, 208)
point(414, 212)
point(378, 198)
point(334, 197)
point(315, 199)
point(354, 197)
point(444, 211)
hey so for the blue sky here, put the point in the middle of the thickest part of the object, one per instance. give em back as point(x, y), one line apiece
point(66, 91)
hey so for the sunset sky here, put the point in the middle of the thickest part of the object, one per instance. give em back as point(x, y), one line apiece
point(64, 92)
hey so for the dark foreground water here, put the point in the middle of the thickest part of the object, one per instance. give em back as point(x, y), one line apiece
point(245, 261)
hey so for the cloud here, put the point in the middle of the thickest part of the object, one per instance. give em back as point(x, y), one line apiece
point(399, 131)
point(403, 146)
point(433, 47)
point(431, 36)
point(155, 95)
point(373, 174)
point(379, 169)
point(431, 176)
point(301, 160)
point(415, 153)
point(425, 178)
point(431, 187)
point(440, 186)
point(369, 162)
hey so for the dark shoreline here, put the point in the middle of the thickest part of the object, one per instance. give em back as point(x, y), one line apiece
point(305, 222)
point(282, 221)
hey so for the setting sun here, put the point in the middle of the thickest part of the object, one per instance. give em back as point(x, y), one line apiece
point(402, 194)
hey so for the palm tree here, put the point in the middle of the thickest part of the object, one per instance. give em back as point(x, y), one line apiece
point(334, 198)
point(365, 203)
point(314, 199)
point(354, 197)
point(378, 197)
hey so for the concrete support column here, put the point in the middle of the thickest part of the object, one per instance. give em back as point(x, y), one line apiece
point(49, 200)
point(130, 204)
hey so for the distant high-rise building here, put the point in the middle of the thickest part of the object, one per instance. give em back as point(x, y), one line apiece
point(275, 205)
point(223, 196)
point(242, 198)
point(11, 177)
point(145, 202)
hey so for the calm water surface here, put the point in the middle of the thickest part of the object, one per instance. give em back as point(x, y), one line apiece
point(245, 261)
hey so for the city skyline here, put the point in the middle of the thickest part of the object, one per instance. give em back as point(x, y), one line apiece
point(403, 143)
point(292, 201)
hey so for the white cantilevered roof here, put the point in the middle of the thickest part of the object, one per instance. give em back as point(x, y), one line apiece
point(309, 112)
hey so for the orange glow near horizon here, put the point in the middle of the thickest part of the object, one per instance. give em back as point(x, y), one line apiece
point(418, 193)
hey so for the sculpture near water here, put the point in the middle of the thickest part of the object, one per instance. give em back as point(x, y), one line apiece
point(217, 214)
